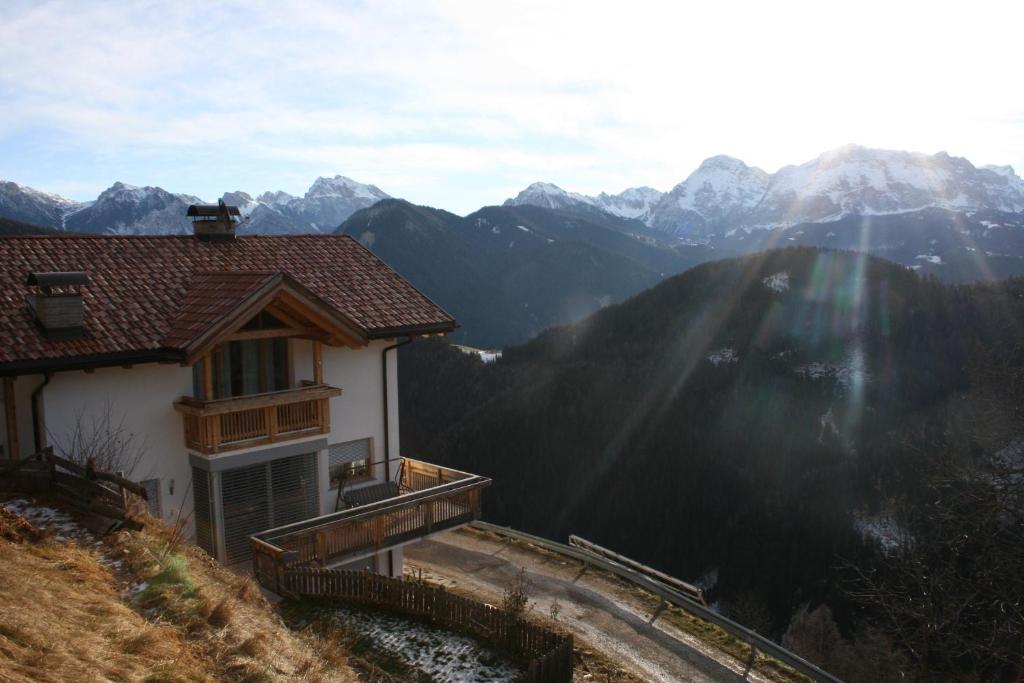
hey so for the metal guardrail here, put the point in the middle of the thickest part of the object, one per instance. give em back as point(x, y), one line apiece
point(687, 589)
point(756, 641)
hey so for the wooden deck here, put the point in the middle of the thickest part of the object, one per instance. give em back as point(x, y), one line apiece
point(438, 498)
point(230, 423)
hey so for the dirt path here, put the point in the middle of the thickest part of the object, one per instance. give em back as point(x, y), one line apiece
point(601, 615)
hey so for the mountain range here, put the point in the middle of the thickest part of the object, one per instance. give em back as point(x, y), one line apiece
point(549, 256)
point(508, 272)
point(724, 194)
point(126, 209)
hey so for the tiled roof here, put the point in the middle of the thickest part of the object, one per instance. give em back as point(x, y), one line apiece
point(139, 285)
point(211, 297)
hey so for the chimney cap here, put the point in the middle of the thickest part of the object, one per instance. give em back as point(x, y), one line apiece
point(57, 279)
point(212, 209)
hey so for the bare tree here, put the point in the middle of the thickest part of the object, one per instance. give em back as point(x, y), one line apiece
point(952, 595)
point(102, 439)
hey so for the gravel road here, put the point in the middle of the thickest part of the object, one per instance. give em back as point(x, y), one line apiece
point(602, 616)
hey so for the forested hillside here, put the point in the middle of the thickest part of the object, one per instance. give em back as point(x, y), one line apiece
point(13, 227)
point(506, 273)
point(770, 425)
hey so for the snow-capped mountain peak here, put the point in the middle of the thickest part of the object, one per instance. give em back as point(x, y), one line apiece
point(277, 198)
point(29, 205)
point(340, 186)
point(635, 202)
point(721, 189)
point(1006, 171)
point(549, 196)
point(123, 208)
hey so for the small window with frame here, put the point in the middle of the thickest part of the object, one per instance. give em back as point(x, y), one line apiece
point(350, 461)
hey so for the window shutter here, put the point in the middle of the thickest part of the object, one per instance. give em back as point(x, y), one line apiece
point(349, 451)
point(203, 510)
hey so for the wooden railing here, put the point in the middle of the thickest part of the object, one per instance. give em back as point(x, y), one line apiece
point(547, 653)
point(438, 498)
point(81, 486)
point(230, 423)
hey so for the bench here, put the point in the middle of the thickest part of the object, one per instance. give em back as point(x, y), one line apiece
point(370, 494)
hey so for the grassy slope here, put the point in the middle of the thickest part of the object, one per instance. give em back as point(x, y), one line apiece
point(64, 617)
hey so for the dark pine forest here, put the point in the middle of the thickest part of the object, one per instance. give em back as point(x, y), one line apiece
point(776, 427)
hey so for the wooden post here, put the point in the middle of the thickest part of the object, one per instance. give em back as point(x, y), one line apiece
point(124, 493)
point(11, 416)
point(208, 377)
point(270, 417)
point(318, 362)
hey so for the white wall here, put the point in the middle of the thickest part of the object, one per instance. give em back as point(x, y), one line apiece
point(142, 398)
point(359, 412)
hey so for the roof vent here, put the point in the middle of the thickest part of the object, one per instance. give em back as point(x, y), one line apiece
point(214, 222)
point(57, 303)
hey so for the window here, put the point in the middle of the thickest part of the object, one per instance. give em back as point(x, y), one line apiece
point(349, 461)
point(241, 368)
point(152, 487)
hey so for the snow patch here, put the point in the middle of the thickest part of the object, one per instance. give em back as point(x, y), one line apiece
point(61, 523)
point(725, 356)
point(881, 528)
point(930, 258)
point(442, 655)
point(779, 282)
point(486, 355)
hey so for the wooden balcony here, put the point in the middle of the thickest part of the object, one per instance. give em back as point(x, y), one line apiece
point(436, 499)
point(231, 423)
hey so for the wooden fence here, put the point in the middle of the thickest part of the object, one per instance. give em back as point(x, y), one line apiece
point(84, 488)
point(548, 653)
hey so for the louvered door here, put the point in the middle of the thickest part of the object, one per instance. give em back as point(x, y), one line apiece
point(261, 497)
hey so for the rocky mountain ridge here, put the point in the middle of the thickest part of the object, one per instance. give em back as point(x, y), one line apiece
point(131, 210)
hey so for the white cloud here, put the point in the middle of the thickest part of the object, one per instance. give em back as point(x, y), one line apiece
point(589, 96)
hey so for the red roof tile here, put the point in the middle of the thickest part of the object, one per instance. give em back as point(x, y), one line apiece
point(210, 298)
point(139, 285)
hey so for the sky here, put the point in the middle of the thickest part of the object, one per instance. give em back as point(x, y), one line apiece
point(462, 104)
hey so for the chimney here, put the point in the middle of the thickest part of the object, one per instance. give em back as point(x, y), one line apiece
point(214, 222)
point(57, 303)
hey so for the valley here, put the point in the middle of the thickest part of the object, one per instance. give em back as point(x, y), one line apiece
point(741, 425)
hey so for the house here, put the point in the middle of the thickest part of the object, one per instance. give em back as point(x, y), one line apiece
point(254, 377)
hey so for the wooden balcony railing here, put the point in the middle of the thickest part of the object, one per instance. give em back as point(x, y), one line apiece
point(231, 423)
point(440, 498)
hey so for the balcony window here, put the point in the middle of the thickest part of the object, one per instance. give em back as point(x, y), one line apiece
point(243, 368)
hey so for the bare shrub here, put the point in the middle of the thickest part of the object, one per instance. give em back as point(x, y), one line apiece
point(256, 646)
point(868, 657)
point(517, 594)
point(222, 613)
point(102, 439)
point(751, 611)
point(813, 635)
point(248, 591)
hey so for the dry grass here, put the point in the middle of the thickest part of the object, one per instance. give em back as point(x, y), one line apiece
point(64, 618)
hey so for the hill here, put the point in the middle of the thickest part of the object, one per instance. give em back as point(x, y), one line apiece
point(137, 606)
point(746, 424)
point(506, 273)
point(13, 227)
